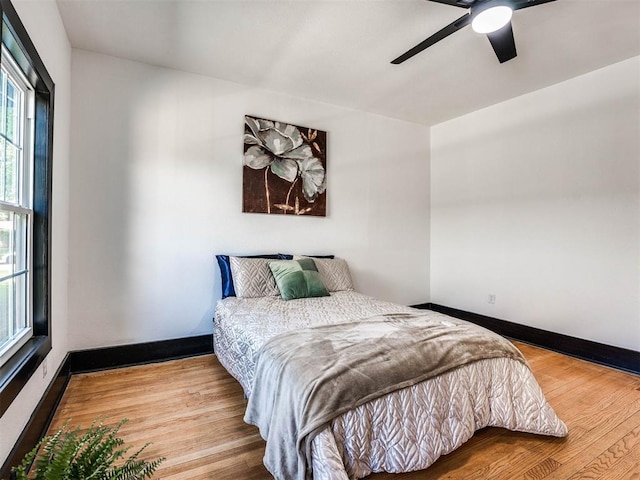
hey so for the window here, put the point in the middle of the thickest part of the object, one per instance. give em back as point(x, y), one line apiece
point(26, 149)
point(16, 165)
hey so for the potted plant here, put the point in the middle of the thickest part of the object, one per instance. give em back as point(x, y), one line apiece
point(97, 453)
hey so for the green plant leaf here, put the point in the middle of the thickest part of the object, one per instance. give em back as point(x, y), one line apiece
point(96, 454)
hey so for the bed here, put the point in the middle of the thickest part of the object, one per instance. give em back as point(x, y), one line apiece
point(404, 430)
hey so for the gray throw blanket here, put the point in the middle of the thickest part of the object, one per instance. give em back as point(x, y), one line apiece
point(306, 378)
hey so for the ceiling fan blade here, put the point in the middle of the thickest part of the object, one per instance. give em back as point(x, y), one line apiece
point(436, 37)
point(456, 3)
point(529, 3)
point(503, 43)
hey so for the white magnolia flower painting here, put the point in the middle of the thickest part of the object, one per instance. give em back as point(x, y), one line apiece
point(284, 168)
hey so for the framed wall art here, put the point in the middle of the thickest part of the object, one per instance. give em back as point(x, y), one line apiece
point(284, 168)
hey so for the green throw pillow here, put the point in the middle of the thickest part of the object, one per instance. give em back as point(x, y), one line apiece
point(298, 279)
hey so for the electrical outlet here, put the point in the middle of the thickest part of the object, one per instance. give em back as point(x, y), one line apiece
point(491, 299)
point(44, 368)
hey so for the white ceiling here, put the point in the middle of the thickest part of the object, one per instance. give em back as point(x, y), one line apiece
point(339, 51)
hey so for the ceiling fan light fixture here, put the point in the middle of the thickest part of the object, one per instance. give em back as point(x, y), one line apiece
point(491, 19)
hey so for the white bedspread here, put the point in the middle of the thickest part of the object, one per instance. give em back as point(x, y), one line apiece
point(402, 431)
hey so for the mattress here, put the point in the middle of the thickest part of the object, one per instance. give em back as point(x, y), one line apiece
point(399, 432)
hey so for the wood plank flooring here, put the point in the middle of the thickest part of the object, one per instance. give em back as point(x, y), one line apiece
point(192, 411)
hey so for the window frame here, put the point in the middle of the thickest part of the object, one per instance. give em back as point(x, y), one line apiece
point(23, 203)
point(17, 371)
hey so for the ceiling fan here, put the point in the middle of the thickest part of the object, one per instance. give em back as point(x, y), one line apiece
point(491, 17)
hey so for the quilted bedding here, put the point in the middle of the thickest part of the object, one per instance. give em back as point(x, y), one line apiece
point(402, 431)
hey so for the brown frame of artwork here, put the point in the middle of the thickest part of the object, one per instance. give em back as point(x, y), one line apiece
point(284, 168)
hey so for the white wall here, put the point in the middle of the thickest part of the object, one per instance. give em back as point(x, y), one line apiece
point(156, 190)
point(43, 23)
point(536, 200)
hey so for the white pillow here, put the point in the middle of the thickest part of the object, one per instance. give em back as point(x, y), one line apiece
point(252, 277)
point(334, 273)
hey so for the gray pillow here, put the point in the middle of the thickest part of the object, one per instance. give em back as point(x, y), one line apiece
point(334, 273)
point(252, 277)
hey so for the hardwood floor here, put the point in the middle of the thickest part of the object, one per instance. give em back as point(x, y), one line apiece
point(192, 411)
